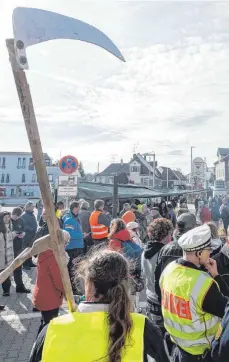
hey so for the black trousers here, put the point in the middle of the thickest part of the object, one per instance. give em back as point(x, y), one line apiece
point(46, 317)
point(6, 285)
point(73, 254)
point(17, 244)
point(181, 356)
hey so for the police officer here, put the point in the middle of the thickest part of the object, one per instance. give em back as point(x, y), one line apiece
point(192, 303)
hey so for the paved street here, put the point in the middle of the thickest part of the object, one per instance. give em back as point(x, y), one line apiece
point(19, 325)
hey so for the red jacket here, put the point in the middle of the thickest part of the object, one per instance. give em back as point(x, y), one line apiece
point(48, 291)
point(205, 215)
point(115, 241)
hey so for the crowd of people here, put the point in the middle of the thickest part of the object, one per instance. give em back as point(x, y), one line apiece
point(214, 209)
point(178, 257)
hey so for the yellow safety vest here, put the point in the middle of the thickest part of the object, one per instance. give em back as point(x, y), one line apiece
point(83, 337)
point(140, 207)
point(183, 291)
point(58, 214)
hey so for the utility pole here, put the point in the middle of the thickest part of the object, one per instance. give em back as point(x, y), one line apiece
point(115, 197)
point(192, 166)
point(154, 169)
point(167, 177)
point(135, 148)
point(149, 174)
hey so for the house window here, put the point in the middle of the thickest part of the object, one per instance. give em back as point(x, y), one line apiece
point(23, 162)
point(34, 178)
point(23, 178)
point(12, 192)
point(50, 177)
point(31, 164)
point(3, 162)
point(19, 162)
point(7, 178)
point(135, 168)
point(47, 162)
point(144, 181)
point(3, 178)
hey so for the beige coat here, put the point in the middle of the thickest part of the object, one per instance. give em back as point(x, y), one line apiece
point(6, 248)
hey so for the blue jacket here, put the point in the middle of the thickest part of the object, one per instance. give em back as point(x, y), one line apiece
point(220, 346)
point(72, 224)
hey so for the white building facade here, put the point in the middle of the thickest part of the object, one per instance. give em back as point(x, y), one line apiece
point(18, 177)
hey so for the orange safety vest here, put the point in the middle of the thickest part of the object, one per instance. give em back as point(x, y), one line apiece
point(98, 231)
point(129, 216)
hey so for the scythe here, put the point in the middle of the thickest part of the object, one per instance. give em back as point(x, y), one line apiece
point(32, 26)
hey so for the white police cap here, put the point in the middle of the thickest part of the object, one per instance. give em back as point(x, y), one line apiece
point(198, 238)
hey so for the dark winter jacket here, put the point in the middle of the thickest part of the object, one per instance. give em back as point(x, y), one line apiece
point(19, 227)
point(222, 260)
point(196, 203)
point(220, 346)
point(139, 215)
point(104, 220)
point(215, 213)
point(84, 216)
point(224, 212)
point(172, 217)
point(167, 254)
point(30, 224)
point(149, 261)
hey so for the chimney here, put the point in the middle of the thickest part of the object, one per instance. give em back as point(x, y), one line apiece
point(121, 162)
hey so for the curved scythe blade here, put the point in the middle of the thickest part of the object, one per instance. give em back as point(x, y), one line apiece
point(32, 26)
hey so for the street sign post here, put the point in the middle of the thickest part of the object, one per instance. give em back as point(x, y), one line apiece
point(68, 164)
point(67, 186)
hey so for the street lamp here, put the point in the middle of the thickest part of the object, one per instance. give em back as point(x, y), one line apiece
point(192, 147)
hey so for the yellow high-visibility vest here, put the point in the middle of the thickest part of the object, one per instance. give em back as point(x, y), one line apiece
point(83, 337)
point(183, 291)
point(58, 214)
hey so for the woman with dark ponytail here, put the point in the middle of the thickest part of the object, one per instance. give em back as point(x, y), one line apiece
point(103, 329)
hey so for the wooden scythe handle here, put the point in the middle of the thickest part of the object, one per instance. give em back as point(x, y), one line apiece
point(27, 108)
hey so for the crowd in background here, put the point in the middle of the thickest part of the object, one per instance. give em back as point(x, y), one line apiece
point(149, 234)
